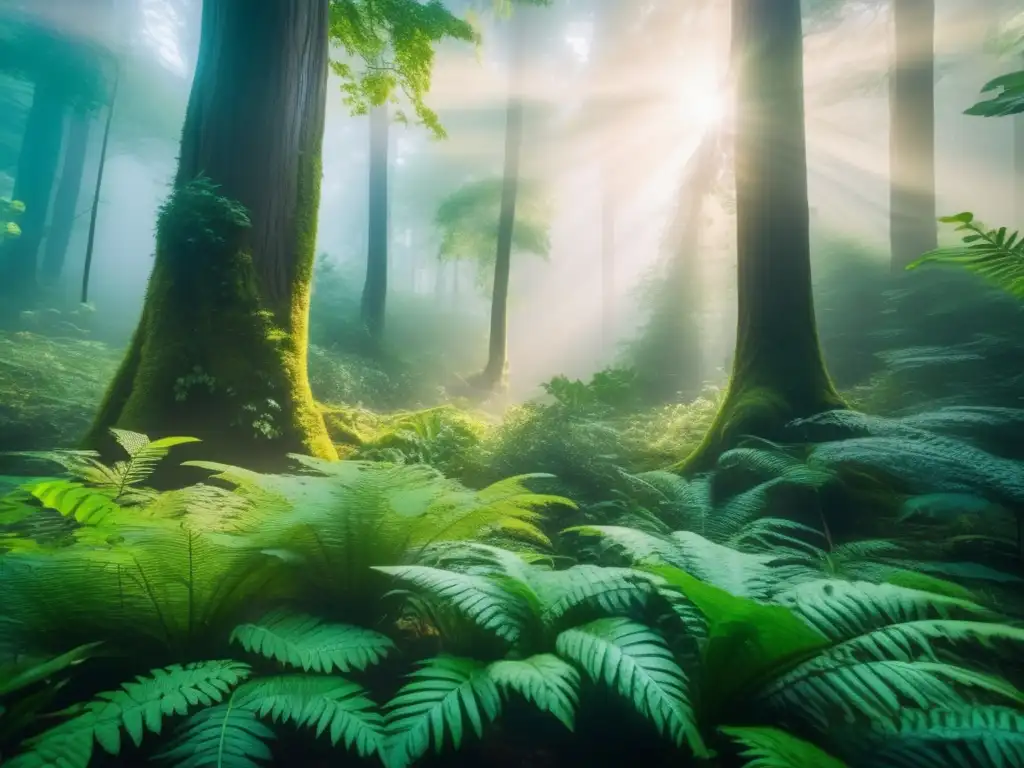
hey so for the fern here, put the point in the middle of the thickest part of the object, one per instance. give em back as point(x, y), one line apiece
point(306, 642)
point(135, 708)
point(775, 748)
point(980, 737)
point(224, 736)
point(86, 505)
point(544, 680)
point(330, 705)
point(994, 254)
point(635, 660)
point(433, 705)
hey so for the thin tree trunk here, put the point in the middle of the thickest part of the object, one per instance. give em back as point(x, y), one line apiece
point(778, 373)
point(494, 373)
point(221, 350)
point(913, 229)
point(65, 203)
point(375, 289)
point(1018, 166)
point(94, 213)
point(35, 179)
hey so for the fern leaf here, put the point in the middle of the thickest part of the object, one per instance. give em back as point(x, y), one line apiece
point(135, 708)
point(775, 748)
point(980, 737)
point(635, 661)
point(612, 590)
point(308, 643)
point(440, 695)
point(544, 680)
point(327, 704)
point(223, 736)
point(86, 505)
point(833, 686)
point(477, 597)
point(143, 455)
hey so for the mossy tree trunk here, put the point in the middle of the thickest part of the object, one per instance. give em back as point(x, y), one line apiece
point(912, 226)
point(221, 349)
point(65, 202)
point(35, 179)
point(778, 373)
point(375, 289)
point(494, 374)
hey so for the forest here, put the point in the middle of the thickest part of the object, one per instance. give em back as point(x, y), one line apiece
point(512, 382)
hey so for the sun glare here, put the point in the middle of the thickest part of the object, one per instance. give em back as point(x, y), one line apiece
point(703, 105)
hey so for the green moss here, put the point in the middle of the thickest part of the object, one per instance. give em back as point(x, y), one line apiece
point(210, 357)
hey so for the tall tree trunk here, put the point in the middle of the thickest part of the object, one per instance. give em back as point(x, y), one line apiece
point(90, 243)
point(912, 229)
point(375, 289)
point(33, 185)
point(493, 376)
point(778, 373)
point(65, 203)
point(221, 350)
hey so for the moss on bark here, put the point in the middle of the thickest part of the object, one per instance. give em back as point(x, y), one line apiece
point(221, 350)
point(778, 371)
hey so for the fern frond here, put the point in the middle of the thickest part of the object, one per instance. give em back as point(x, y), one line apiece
point(635, 661)
point(995, 254)
point(143, 456)
point(544, 680)
point(224, 736)
point(836, 685)
point(310, 644)
point(444, 692)
point(135, 708)
point(978, 736)
point(611, 590)
point(775, 748)
point(87, 506)
point(326, 704)
point(479, 598)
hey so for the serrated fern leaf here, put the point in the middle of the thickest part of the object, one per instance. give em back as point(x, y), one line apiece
point(544, 680)
point(440, 695)
point(135, 708)
point(975, 737)
point(612, 590)
point(775, 748)
point(841, 609)
point(143, 456)
point(635, 661)
point(331, 705)
point(834, 687)
point(310, 644)
point(478, 598)
point(223, 736)
point(86, 505)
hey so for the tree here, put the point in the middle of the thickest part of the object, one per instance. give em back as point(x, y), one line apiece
point(65, 201)
point(220, 350)
point(778, 373)
point(912, 213)
point(395, 43)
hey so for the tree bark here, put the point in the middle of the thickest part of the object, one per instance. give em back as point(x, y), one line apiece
point(913, 230)
point(778, 373)
point(65, 202)
point(494, 374)
point(34, 182)
point(375, 289)
point(221, 350)
point(608, 211)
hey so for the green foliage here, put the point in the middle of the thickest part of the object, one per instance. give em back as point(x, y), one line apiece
point(395, 42)
point(1006, 97)
point(991, 253)
point(10, 211)
point(775, 748)
point(468, 222)
point(136, 708)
